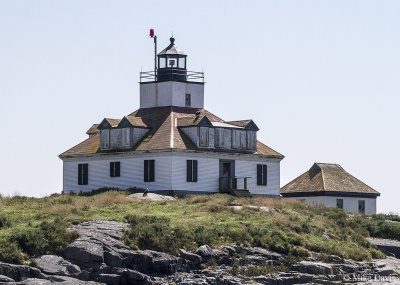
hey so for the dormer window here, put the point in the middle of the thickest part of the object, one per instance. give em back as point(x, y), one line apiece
point(203, 136)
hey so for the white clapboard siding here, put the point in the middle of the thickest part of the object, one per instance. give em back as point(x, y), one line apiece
point(207, 175)
point(245, 168)
point(170, 172)
point(132, 174)
point(350, 204)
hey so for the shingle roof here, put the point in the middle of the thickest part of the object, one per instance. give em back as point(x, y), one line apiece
point(164, 133)
point(329, 178)
point(93, 129)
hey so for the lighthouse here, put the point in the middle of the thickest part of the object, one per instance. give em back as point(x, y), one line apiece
point(172, 144)
point(171, 84)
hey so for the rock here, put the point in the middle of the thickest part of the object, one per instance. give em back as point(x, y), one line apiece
point(194, 259)
point(313, 267)
point(388, 246)
point(85, 251)
point(19, 272)
point(57, 280)
point(52, 264)
point(230, 249)
point(387, 266)
point(151, 197)
point(270, 255)
point(6, 280)
point(109, 279)
point(149, 261)
point(204, 251)
point(98, 242)
point(221, 256)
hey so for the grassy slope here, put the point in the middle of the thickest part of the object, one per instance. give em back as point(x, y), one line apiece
point(31, 226)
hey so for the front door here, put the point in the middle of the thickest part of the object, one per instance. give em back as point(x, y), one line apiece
point(226, 175)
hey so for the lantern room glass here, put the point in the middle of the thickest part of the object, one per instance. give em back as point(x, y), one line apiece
point(162, 62)
point(182, 62)
point(172, 61)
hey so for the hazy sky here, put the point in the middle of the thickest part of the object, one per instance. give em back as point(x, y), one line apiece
point(320, 79)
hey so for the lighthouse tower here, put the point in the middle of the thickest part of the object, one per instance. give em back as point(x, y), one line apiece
point(171, 84)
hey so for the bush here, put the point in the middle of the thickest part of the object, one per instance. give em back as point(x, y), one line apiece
point(4, 222)
point(47, 238)
point(10, 252)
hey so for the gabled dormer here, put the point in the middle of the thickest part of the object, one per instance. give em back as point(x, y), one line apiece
point(121, 134)
point(240, 136)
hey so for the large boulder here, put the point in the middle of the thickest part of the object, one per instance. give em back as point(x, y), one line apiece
point(313, 267)
point(193, 258)
point(19, 272)
point(388, 266)
point(204, 251)
point(388, 246)
point(98, 242)
point(56, 265)
point(149, 261)
point(6, 280)
point(85, 251)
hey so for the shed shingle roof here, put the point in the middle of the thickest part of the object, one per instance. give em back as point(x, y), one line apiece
point(326, 177)
point(164, 133)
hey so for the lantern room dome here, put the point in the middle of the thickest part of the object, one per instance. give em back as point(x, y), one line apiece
point(172, 49)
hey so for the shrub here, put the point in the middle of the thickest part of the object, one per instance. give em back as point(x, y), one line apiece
point(10, 252)
point(4, 222)
point(47, 238)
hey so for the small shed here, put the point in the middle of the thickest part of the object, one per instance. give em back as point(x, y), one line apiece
point(326, 184)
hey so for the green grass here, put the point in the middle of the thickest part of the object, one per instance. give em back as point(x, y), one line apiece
point(33, 226)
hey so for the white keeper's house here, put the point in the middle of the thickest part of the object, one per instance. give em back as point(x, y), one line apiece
point(329, 185)
point(172, 143)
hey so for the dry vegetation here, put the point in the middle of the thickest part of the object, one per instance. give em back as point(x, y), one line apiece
point(31, 226)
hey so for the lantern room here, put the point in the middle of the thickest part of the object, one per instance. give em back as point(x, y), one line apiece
point(171, 64)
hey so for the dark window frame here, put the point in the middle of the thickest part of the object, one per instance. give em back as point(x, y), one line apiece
point(191, 170)
point(339, 203)
point(115, 169)
point(262, 174)
point(149, 170)
point(83, 174)
point(361, 209)
point(188, 97)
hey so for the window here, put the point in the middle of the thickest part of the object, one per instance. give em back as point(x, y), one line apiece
point(251, 140)
point(172, 62)
point(203, 134)
point(126, 137)
point(149, 171)
point(115, 169)
point(339, 203)
point(191, 171)
point(105, 139)
point(162, 62)
point(361, 206)
point(83, 174)
point(181, 62)
point(219, 137)
point(188, 101)
point(261, 174)
point(235, 139)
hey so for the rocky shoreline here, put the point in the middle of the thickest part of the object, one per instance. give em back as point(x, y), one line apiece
point(98, 256)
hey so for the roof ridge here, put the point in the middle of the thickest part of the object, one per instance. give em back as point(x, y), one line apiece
point(323, 179)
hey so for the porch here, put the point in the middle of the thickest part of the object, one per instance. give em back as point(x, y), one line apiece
point(236, 186)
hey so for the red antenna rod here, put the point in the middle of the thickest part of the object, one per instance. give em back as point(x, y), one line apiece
point(152, 35)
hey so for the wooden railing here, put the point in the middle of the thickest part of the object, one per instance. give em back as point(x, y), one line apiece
point(226, 184)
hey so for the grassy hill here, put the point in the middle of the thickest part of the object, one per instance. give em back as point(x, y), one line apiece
point(33, 226)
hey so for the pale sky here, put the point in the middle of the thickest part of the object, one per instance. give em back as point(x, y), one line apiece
point(319, 78)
